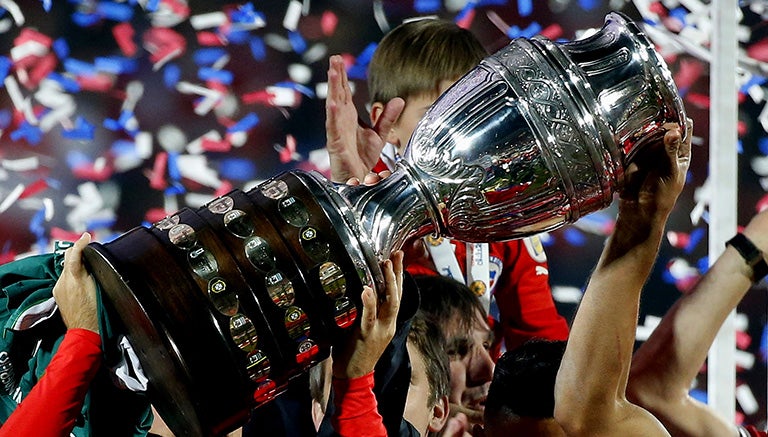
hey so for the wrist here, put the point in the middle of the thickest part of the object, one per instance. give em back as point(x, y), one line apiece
point(751, 255)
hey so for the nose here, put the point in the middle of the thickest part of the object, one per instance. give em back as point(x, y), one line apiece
point(481, 367)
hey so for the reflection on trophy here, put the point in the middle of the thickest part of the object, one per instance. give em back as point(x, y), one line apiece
point(225, 304)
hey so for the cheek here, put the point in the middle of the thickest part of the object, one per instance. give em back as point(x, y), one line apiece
point(458, 379)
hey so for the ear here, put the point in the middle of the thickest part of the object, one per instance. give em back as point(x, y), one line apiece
point(439, 415)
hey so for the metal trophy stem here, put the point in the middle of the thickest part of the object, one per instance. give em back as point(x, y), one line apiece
point(226, 304)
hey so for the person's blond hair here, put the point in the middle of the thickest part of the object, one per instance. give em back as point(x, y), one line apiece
point(414, 57)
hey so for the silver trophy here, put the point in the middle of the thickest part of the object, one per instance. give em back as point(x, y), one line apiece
point(225, 304)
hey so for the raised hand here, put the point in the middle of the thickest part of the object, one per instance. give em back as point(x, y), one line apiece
point(353, 146)
point(377, 325)
point(75, 290)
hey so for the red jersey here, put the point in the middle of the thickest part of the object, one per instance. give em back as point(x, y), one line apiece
point(519, 282)
point(54, 403)
point(356, 413)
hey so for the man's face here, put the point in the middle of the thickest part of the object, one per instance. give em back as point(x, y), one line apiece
point(471, 367)
point(418, 405)
point(415, 108)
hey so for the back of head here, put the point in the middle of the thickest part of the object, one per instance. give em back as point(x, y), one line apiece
point(414, 57)
point(523, 386)
point(445, 299)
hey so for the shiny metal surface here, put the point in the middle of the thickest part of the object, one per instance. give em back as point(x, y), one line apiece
point(538, 134)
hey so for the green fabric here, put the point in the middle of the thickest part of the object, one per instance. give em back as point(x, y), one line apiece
point(108, 410)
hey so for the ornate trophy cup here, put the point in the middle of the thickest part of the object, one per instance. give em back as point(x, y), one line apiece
point(225, 304)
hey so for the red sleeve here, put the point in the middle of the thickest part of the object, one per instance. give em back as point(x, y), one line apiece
point(754, 432)
point(54, 403)
point(524, 297)
point(356, 413)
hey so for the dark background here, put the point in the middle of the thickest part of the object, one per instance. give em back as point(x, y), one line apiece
point(129, 200)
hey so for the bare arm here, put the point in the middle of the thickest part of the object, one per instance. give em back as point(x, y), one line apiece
point(590, 389)
point(353, 147)
point(667, 362)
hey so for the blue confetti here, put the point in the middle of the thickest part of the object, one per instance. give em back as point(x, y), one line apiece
point(246, 123)
point(680, 14)
point(174, 189)
point(524, 7)
point(173, 166)
point(79, 68)
point(238, 169)
point(100, 223)
point(364, 58)
point(238, 36)
point(28, 132)
point(755, 80)
point(532, 30)
point(61, 48)
point(764, 344)
point(702, 264)
point(5, 118)
point(152, 5)
point(171, 75)
point(222, 76)
point(694, 238)
point(5, 67)
point(77, 159)
point(589, 5)
point(81, 131)
point(574, 237)
point(762, 144)
point(426, 6)
point(67, 83)
point(116, 64)
point(297, 42)
point(85, 20)
point(258, 49)
point(47, 5)
point(208, 56)
point(297, 87)
point(114, 11)
point(699, 395)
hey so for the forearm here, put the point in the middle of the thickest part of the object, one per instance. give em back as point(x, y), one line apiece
point(665, 365)
point(54, 403)
point(592, 379)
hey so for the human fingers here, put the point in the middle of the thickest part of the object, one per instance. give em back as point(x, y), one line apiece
point(384, 174)
point(371, 179)
point(389, 116)
point(393, 292)
point(369, 310)
point(73, 257)
point(353, 181)
point(456, 426)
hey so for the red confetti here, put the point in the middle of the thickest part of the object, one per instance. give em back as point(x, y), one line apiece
point(689, 71)
point(553, 31)
point(157, 180)
point(328, 23)
point(223, 189)
point(210, 145)
point(124, 34)
point(759, 50)
point(154, 215)
point(163, 44)
point(34, 188)
point(698, 100)
point(91, 173)
point(466, 21)
point(210, 39)
point(97, 82)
